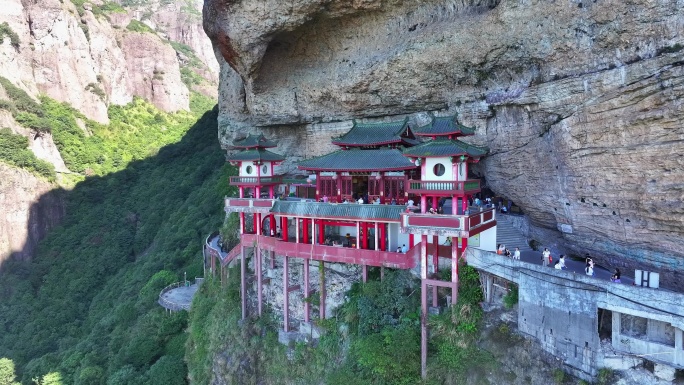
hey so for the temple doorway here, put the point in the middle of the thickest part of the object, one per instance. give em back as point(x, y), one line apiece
point(360, 183)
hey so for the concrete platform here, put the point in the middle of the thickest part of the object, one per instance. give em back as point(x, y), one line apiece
point(179, 298)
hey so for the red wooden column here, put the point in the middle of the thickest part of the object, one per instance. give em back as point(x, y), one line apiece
point(454, 270)
point(241, 191)
point(318, 186)
point(321, 310)
point(283, 228)
point(411, 241)
point(423, 306)
point(434, 202)
point(365, 235)
point(321, 231)
point(257, 263)
point(305, 230)
point(243, 282)
point(255, 217)
point(435, 256)
point(270, 192)
point(242, 223)
point(423, 204)
point(257, 267)
point(286, 295)
point(383, 236)
point(306, 289)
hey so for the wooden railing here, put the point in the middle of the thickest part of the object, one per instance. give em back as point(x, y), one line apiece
point(425, 186)
point(255, 180)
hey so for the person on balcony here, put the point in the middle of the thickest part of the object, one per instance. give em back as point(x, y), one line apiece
point(325, 199)
point(404, 249)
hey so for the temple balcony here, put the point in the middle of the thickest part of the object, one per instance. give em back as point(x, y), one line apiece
point(255, 180)
point(464, 226)
point(447, 188)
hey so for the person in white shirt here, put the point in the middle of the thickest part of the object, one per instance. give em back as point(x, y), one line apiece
point(516, 253)
point(404, 249)
point(360, 201)
point(410, 203)
point(562, 262)
point(557, 266)
point(545, 257)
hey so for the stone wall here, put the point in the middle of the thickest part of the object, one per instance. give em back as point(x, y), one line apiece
point(560, 310)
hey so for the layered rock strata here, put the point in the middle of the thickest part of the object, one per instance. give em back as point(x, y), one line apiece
point(87, 56)
point(580, 102)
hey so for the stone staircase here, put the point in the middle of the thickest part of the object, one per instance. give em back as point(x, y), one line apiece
point(510, 236)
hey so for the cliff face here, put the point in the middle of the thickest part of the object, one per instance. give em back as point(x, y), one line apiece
point(89, 56)
point(580, 102)
point(30, 209)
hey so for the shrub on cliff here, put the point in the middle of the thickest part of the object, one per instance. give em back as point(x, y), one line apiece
point(14, 150)
point(7, 32)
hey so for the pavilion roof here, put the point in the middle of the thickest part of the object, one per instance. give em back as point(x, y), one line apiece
point(254, 141)
point(445, 147)
point(445, 125)
point(376, 134)
point(348, 211)
point(382, 159)
point(255, 154)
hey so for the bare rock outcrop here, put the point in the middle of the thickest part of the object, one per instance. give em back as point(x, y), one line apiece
point(88, 57)
point(580, 102)
point(30, 209)
point(153, 71)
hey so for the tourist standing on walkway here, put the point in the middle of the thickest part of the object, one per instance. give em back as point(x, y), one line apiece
point(589, 270)
point(557, 266)
point(562, 262)
point(546, 254)
point(404, 249)
point(516, 253)
point(616, 276)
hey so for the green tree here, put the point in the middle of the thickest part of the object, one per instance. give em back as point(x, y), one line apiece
point(53, 378)
point(7, 375)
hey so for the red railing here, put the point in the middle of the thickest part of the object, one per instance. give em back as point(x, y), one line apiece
point(240, 204)
point(255, 180)
point(451, 187)
point(456, 225)
point(332, 253)
point(234, 253)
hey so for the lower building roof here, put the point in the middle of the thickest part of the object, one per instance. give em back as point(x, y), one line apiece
point(339, 210)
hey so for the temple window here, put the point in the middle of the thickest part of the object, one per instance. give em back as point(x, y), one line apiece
point(439, 169)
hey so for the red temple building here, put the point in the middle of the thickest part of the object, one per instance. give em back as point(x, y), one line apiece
point(415, 188)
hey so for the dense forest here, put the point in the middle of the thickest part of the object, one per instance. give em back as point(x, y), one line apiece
point(147, 191)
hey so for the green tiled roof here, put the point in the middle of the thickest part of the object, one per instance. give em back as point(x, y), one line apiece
point(445, 125)
point(253, 141)
point(445, 147)
point(339, 210)
point(374, 134)
point(255, 154)
point(383, 159)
